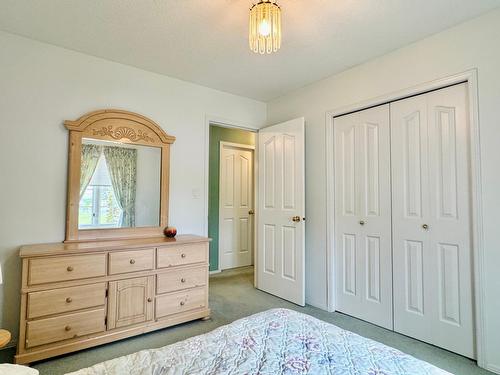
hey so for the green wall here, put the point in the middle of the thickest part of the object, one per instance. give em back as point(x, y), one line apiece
point(218, 134)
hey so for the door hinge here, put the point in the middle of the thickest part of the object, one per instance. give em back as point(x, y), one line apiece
point(106, 321)
point(106, 294)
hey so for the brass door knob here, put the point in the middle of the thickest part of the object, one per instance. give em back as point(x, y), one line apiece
point(425, 226)
point(69, 300)
point(361, 222)
point(296, 219)
point(70, 268)
point(132, 261)
point(67, 328)
point(251, 212)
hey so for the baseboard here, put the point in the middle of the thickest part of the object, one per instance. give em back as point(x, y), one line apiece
point(493, 368)
point(214, 272)
point(10, 345)
point(321, 306)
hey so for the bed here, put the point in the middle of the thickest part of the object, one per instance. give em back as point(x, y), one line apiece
point(277, 341)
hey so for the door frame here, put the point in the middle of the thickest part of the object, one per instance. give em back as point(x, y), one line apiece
point(469, 77)
point(244, 147)
point(231, 124)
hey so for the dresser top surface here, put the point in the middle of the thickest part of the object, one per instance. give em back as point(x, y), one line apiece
point(60, 248)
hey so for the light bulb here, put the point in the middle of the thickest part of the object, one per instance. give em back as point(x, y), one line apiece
point(264, 28)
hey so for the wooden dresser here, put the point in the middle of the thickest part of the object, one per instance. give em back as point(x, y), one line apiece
point(78, 295)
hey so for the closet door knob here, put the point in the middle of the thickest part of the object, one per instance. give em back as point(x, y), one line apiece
point(183, 255)
point(69, 300)
point(70, 268)
point(183, 280)
point(425, 226)
point(67, 328)
point(296, 219)
point(361, 222)
point(150, 299)
point(132, 261)
point(183, 303)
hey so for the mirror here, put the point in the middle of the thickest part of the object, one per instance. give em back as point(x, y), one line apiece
point(119, 185)
point(118, 177)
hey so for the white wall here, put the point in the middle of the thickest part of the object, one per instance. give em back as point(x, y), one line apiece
point(474, 44)
point(40, 87)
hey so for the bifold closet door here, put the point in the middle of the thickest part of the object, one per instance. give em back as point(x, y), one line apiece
point(431, 219)
point(363, 266)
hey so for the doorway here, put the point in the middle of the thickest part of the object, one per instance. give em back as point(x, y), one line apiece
point(278, 245)
point(231, 223)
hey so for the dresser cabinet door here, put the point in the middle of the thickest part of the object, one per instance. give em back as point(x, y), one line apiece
point(130, 301)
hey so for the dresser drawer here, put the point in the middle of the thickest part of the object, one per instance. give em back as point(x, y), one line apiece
point(178, 279)
point(131, 261)
point(181, 255)
point(64, 300)
point(177, 302)
point(64, 268)
point(46, 331)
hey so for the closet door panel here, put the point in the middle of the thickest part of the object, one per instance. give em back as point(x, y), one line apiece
point(347, 210)
point(362, 215)
point(375, 200)
point(449, 221)
point(409, 157)
point(431, 198)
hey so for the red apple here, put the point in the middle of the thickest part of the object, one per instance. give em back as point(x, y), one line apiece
point(170, 232)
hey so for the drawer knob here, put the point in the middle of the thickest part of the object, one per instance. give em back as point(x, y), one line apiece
point(67, 328)
point(70, 268)
point(132, 261)
point(69, 300)
point(150, 299)
point(183, 280)
point(183, 255)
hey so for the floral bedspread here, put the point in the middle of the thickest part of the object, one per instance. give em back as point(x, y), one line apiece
point(277, 341)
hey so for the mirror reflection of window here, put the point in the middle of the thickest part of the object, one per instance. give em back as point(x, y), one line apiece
point(119, 185)
point(99, 207)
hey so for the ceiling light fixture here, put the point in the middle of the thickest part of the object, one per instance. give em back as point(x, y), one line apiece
point(264, 34)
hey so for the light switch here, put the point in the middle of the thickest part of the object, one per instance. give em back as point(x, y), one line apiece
point(196, 193)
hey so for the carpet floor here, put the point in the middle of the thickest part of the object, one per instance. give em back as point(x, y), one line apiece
point(232, 296)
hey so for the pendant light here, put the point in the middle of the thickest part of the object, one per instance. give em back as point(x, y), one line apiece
point(265, 27)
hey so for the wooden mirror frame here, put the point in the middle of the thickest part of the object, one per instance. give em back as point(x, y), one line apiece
point(125, 127)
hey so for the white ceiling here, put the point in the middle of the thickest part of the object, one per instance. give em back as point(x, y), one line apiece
point(205, 41)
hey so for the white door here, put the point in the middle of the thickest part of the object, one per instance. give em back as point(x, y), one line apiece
point(431, 219)
point(363, 266)
point(235, 205)
point(281, 209)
